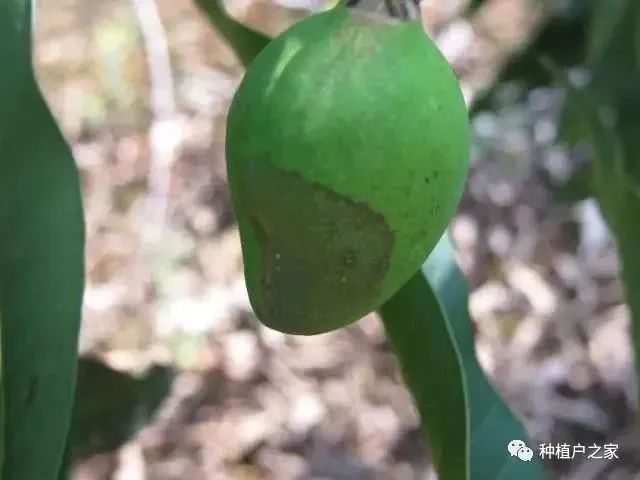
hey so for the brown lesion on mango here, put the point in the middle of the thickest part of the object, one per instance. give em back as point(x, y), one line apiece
point(323, 255)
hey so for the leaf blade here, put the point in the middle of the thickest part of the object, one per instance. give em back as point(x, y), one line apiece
point(615, 188)
point(489, 424)
point(41, 264)
point(112, 406)
point(403, 317)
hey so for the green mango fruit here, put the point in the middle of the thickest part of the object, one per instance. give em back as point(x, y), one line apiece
point(347, 153)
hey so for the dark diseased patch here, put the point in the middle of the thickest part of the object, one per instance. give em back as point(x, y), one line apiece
point(324, 255)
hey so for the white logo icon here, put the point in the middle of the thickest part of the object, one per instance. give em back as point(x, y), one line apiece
point(525, 454)
point(514, 446)
point(519, 448)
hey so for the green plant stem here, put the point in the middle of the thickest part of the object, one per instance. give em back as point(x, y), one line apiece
point(245, 41)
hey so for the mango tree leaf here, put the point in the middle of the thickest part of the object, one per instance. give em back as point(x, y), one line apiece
point(245, 41)
point(614, 71)
point(630, 137)
point(111, 406)
point(467, 424)
point(573, 129)
point(606, 17)
point(41, 263)
point(615, 76)
point(422, 340)
point(616, 190)
point(608, 172)
point(638, 36)
point(15, 46)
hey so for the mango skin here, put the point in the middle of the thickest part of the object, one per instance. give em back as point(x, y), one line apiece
point(347, 152)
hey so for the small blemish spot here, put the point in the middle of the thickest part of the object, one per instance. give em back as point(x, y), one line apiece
point(435, 105)
point(278, 256)
point(349, 259)
point(343, 280)
point(32, 391)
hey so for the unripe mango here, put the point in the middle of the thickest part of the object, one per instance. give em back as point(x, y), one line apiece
point(347, 153)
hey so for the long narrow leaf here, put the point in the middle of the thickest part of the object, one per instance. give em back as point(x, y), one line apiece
point(467, 424)
point(41, 263)
point(431, 366)
point(15, 44)
point(616, 191)
point(637, 37)
point(606, 17)
point(111, 406)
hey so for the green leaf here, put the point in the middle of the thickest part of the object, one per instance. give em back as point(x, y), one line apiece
point(15, 46)
point(245, 41)
point(467, 424)
point(614, 70)
point(572, 127)
point(420, 337)
point(609, 178)
point(630, 138)
point(41, 263)
point(111, 406)
point(606, 17)
point(638, 36)
point(616, 190)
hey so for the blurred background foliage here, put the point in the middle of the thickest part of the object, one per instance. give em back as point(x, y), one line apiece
point(180, 382)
